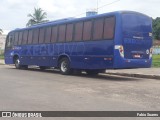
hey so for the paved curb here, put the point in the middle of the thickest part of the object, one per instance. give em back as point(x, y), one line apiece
point(135, 75)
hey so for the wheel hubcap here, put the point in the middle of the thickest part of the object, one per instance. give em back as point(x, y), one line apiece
point(64, 66)
point(17, 63)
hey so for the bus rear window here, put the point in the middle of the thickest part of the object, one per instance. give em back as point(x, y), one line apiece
point(136, 23)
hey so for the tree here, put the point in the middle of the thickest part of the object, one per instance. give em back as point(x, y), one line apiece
point(39, 16)
point(156, 28)
point(1, 31)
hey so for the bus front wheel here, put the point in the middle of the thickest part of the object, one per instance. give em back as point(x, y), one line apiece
point(17, 63)
point(64, 66)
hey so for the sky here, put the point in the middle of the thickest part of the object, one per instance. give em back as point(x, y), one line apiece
point(13, 13)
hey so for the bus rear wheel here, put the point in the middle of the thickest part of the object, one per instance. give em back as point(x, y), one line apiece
point(64, 66)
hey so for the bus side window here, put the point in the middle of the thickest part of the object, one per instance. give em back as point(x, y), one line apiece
point(20, 38)
point(69, 32)
point(78, 31)
point(16, 38)
point(25, 37)
point(109, 27)
point(30, 36)
point(54, 34)
point(35, 36)
point(62, 33)
point(41, 35)
point(87, 30)
point(48, 35)
point(10, 40)
point(98, 29)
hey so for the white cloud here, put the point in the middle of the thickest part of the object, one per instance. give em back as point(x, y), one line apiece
point(13, 13)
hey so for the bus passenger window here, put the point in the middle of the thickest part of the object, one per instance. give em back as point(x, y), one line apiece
point(62, 33)
point(30, 37)
point(87, 30)
point(35, 36)
point(48, 35)
point(41, 35)
point(109, 28)
point(20, 38)
point(78, 31)
point(98, 29)
point(10, 40)
point(69, 32)
point(16, 38)
point(54, 34)
point(25, 37)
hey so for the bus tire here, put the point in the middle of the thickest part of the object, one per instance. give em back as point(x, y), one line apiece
point(92, 72)
point(17, 63)
point(64, 66)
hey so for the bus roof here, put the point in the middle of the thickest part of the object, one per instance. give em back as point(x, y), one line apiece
point(71, 20)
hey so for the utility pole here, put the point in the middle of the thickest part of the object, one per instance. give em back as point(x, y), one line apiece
point(97, 5)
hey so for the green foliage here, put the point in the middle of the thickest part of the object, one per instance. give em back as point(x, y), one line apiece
point(156, 61)
point(156, 28)
point(39, 16)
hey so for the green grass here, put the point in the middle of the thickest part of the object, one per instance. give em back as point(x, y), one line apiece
point(1, 57)
point(156, 61)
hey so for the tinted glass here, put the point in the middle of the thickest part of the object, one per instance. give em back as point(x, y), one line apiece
point(69, 32)
point(41, 35)
point(54, 34)
point(20, 38)
point(136, 23)
point(98, 29)
point(87, 30)
point(25, 37)
point(10, 40)
point(16, 38)
point(109, 28)
point(35, 36)
point(30, 37)
point(62, 33)
point(78, 31)
point(48, 35)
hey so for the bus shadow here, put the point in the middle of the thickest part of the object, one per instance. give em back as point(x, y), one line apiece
point(103, 76)
point(108, 77)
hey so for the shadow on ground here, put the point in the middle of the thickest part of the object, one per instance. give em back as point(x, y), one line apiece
point(101, 76)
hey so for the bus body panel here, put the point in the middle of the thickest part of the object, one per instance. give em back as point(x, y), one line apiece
point(82, 55)
point(136, 38)
point(91, 54)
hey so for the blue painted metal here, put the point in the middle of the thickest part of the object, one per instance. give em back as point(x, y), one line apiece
point(91, 54)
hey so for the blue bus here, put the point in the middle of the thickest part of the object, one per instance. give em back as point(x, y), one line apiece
point(116, 40)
